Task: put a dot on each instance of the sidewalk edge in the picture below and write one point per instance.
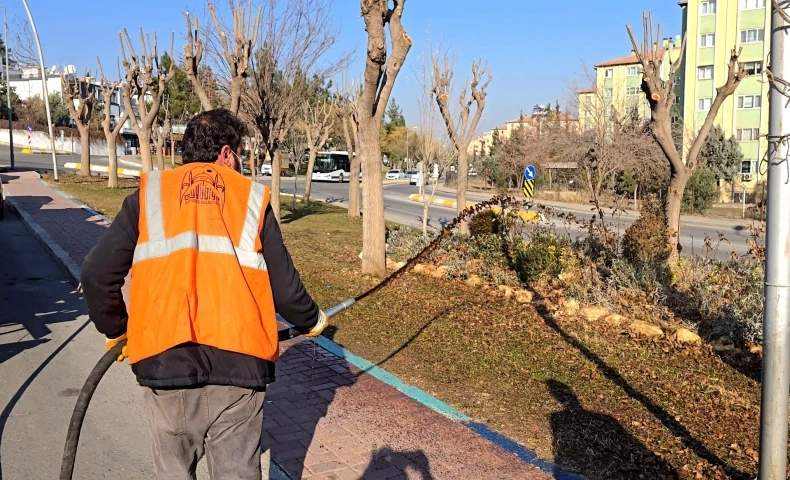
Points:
(55, 250)
(505, 443)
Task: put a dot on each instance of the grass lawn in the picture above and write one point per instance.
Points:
(583, 394)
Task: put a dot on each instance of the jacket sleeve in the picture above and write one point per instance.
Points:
(291, 299)
(105, 268)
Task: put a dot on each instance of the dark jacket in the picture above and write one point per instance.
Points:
(109, 262)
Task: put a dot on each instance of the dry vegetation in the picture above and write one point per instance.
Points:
(595, 397)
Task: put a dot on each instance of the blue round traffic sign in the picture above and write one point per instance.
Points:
(530, 172)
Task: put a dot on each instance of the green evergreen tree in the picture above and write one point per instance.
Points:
(701, 191)
(394, 116)
(721, 155)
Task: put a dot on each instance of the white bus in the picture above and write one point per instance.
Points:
(332, 166)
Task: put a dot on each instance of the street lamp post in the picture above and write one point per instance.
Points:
(8, 91)
(44, 88)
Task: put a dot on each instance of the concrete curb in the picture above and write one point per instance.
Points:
(276, 472)
(103, 169)
(449, 203)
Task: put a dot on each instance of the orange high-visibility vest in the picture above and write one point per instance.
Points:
(198, 273)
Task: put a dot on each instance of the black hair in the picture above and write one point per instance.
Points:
(208, 132)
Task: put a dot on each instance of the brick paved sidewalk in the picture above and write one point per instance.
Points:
(324, 418)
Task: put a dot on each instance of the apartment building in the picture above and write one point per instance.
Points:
(617, 92)
(533, 124)
(713, 28)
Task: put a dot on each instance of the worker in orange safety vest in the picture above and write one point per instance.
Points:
(209, 271)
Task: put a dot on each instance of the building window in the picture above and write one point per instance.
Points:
(632, 91)
(753, 68)
(703, 104)
(633, 71)
(708, 8)
(752, 35)
(608, 73)
(752, 4)
(747, 134)
(632, 111)
(749, 166)
(677, 80)
(705, 72)
(749, 101)
(706, 40)
(607, 93)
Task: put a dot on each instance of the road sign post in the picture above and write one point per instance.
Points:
(529, 181)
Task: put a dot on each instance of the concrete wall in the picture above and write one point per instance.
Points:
(40, 141)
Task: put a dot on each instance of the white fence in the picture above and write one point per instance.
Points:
(40, 141)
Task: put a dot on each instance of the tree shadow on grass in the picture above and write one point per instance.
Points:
(596, 446)
(304, 210)
(660, 413)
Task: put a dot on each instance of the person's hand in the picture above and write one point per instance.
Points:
(319, 327)
(111, 342)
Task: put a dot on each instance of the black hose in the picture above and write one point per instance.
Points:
(75, 426)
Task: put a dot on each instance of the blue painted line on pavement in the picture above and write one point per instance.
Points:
(503, 442)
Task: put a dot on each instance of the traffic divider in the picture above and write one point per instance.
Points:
(450, 203)
(100, 168)
(38, 151)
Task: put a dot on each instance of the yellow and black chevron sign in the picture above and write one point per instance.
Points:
(529, 188)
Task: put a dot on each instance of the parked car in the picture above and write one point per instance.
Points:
(414, 177)
(266, 169)
(395, 174)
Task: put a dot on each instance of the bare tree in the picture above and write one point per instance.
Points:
(246, 29)
(193, 54)
(379, 79)
(318, 122)
(111, 131)
(347, 112)
(287, 69)
(146, 82)
(661, 96)
(81, 91)
(462, 129)
(160, 131)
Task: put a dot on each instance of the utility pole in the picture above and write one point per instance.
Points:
(8, 91)
(776, 314)
(44, 87)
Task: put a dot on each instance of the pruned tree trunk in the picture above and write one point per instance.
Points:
(193, 53)
(85, 150)
(144, 80)
(461, 131)
(111, 134)
(276, 166)
(661, 96)
(379, 79)
(84, 94)
(317, 125)
(353, 182)
(245, 35)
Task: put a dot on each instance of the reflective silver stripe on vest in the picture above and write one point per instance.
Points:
(254, 205)
(159, 246)
(153, 206)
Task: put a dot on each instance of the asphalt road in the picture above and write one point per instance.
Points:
(400, 209)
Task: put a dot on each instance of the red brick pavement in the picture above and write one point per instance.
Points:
(324, 419)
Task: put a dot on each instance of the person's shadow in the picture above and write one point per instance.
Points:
(596, 446)
(395, 464)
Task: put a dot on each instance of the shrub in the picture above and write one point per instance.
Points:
(645, 241)
(701, 191)
(404, 242)
(545, 254)
(485, 223)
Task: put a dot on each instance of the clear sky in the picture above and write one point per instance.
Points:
(535, 48)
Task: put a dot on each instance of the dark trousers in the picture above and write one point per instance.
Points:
(222, 422)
